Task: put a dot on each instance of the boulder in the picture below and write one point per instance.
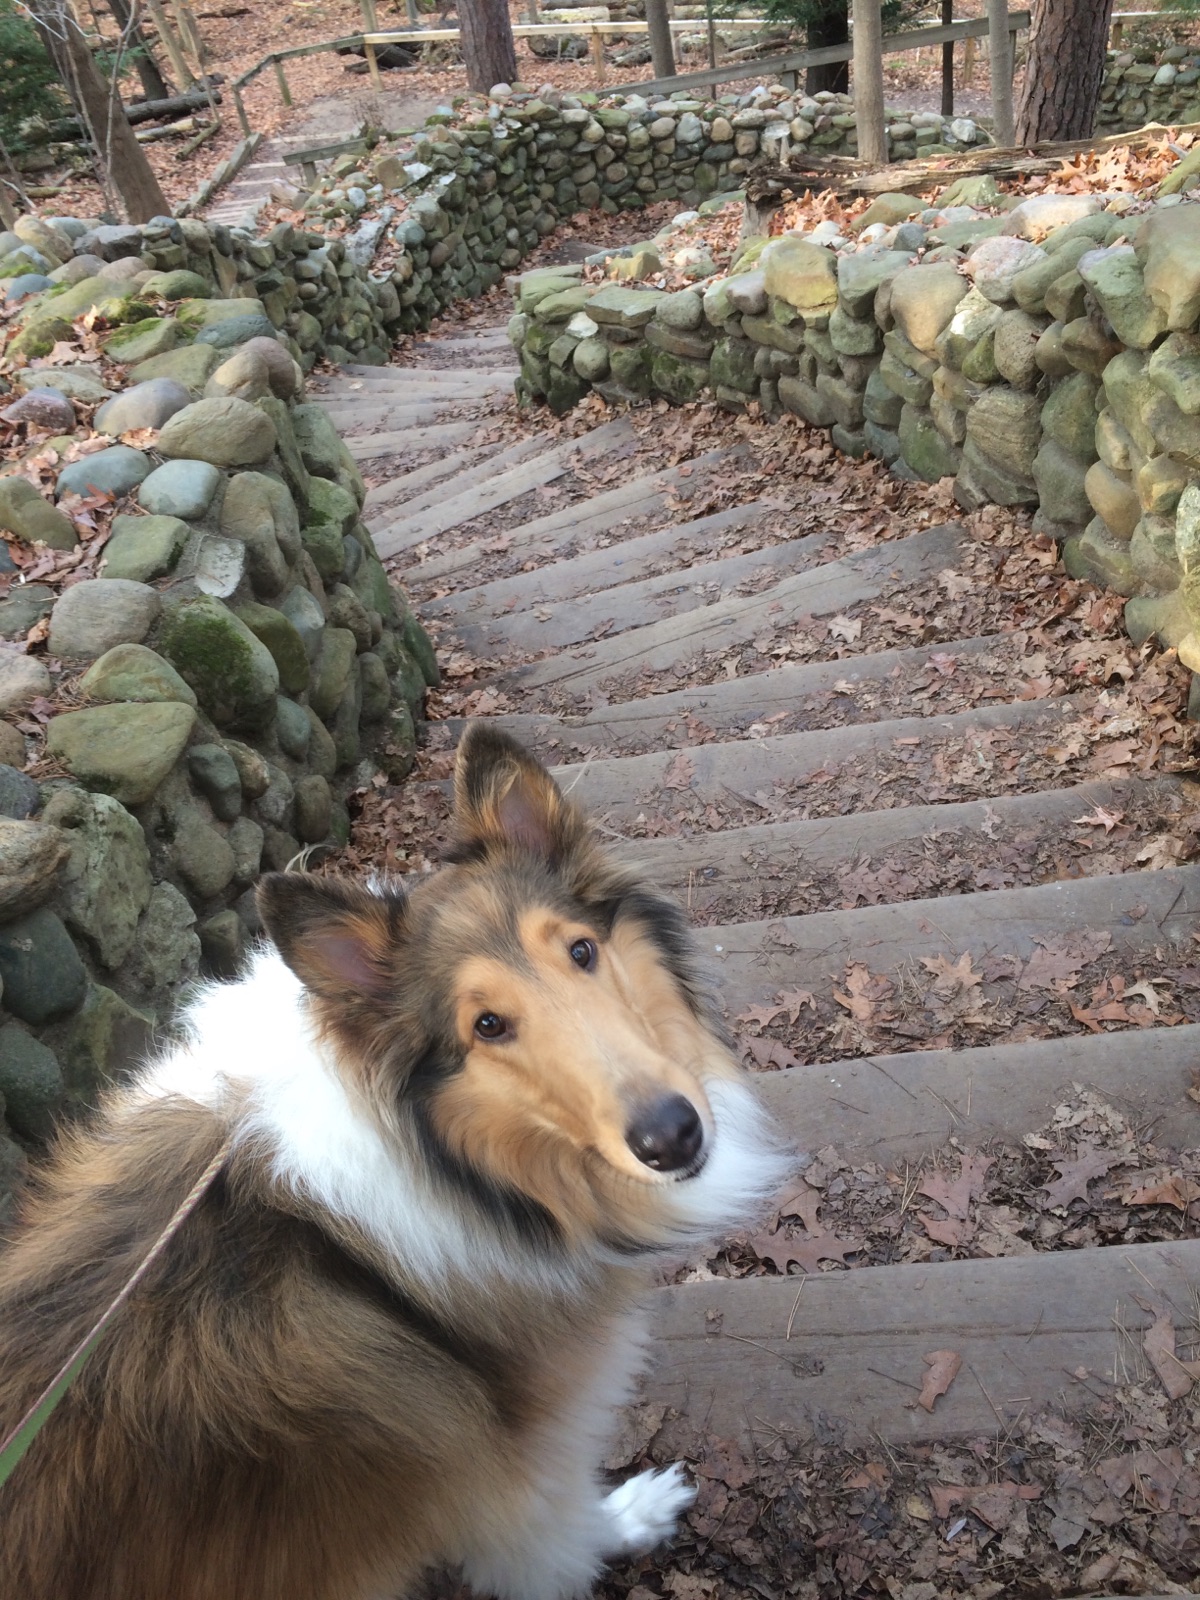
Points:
(1069, 415)
(1059, 476)
(180, 489)
(19, 795)
(994, 264)
(243, 375)
(132, 672)
(1006, 427)
(234, 675)
(192, 366)
(32, 519)
(42, 408)
(801, 274)
(40, 968)
(1014, 348)
(31, 857)
(215, 774)
(1175, 368)
(224, 432)
(142, 548)
(114, 471)
(924, 300)
(146, 405)
(31, 1083)
(1168, 247)
(1043, 214)
(1114, 277)
(125, 750)
(281, 638)
(23, 679)
(141, 341)
(106, 882)
(98, 613)
(76, 383)
(248, 515)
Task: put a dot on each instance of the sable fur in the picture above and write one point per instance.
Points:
(395, 1330)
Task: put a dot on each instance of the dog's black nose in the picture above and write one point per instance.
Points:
(666, 1135)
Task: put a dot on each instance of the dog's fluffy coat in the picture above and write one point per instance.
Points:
(396, 1329)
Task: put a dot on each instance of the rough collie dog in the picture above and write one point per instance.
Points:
(395, 1331)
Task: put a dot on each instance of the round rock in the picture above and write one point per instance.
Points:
(42, 408)
(115, 471)
(19, 795)
(22, 679)
(180, 489)
(146, 405)
(236, 330)
(122, 750)
(225, 432)
(132, 672)
(40, 968)
(31, 854)
(93, 616)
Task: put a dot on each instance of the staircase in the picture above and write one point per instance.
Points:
(943, 894)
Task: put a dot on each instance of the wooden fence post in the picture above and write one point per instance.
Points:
(285, 94)
(1000, 62)
(598, 54)
(948, 62)
(868, 82)
(243, 119)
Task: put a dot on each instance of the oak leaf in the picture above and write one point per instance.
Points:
(943, 1368)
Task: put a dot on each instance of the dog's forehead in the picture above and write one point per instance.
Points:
(487, 908)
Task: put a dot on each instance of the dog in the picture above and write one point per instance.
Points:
(461, 1120)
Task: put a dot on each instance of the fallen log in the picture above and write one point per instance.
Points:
(766, 185)
(177, 105)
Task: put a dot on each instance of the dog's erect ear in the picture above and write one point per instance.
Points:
(336, 937)
(502, 796)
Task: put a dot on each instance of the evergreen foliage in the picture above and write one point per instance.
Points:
(31, 89)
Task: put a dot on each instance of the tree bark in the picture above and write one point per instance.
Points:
(122, 160)
(1000, 65)
(830, 25)
(488, 49)
(662, 50)
(154, 85)
(868, 82)
(1065, 69)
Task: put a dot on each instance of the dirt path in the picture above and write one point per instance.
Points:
(929, 811)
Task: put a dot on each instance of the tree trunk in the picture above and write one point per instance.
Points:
(868, 82)
(1000, 65)
(662, 51)
(486, 38)
(1065, 69)
(948, 62)
(154, 85)
(122, 161)
(830, 25)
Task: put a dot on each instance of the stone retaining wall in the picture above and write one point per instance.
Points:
(236, 666)
(1047, 356)
(1142, 86)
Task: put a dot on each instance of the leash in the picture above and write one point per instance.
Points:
(26, 1431)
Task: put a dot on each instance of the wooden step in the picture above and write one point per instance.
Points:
(1140, 911)
(406, 532)
(409, 441)
(823, 591)
(898, 1108)
(730, 706)
(408, 483)
(416, 495)
(376, 417)
(702, 868)
(496, 338)
(1024, 1326)
(563, 532)
(365, 380)
(623, 561)
(702, 584)
(622, 786)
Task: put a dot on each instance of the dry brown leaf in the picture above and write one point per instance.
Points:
(680, 772)
(943, 1368)
(1175, 1375)
(1076, 1172)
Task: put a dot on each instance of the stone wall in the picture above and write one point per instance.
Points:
(1046, 356)
(1143, 85)
(235, 666)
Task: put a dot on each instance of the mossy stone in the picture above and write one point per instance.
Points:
(279, 635)
(143, 548)
(141, 341)
(231, 670)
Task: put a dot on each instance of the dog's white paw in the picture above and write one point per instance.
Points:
(644, 1510)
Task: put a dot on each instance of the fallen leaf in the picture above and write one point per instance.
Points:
(1099, 817)
(943, 1368)
(1175, 1375)
(1076, 1172)
(954, 1195)
(845, 628)
(1159, 1189)
(680, 773)
(782, 1252)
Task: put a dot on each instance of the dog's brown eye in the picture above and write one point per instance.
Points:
(583, 954)
(490, 1026)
